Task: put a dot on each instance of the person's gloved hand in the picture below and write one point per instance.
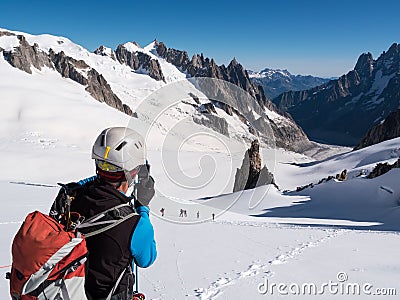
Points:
(145, 186)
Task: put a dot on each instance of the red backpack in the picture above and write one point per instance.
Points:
(48, 261)
(49, 252)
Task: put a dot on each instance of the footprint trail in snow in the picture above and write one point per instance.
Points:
(215, 289)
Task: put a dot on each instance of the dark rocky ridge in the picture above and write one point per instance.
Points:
(251, 175)
(6, 33)
(101, 90)
(140, 61)
(289, 136)
(383, 168)
(210, 116)
(214, 122)
(341, 111)
(25, 56)
(69, 67)
(199, 66)
(387, 130)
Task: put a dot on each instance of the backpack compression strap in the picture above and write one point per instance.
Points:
(106, 220)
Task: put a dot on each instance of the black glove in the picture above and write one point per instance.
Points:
(59, 204)
(145, 187)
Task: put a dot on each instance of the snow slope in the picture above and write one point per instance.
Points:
(287, 238)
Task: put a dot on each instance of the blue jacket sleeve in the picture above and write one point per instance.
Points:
(143, 245)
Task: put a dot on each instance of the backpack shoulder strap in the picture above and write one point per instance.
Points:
(106, 220)
(116, 285)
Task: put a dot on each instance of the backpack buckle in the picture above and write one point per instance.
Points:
(115, 214)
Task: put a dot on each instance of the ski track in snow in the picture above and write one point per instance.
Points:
(11, 222)
(34, 184)
(157, 287)
(178, 272)
(216, 288)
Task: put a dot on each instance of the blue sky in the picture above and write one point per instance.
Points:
(321, 38)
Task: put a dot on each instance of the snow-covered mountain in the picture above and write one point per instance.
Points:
(275, 82)
(342, 111)
(124, 77)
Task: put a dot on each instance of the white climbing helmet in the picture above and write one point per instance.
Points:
(118, 150)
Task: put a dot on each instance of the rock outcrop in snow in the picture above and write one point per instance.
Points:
(382, 168)
(251, 175)
(105, 51)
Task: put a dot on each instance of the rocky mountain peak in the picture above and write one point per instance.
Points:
(139, 61)
(276, 82)
(161, 49)
(393, 50)
(365, 65)
(200, 66)
(136, 44)
(274, 74)
(105, 51)
(389, 62)
(287, 136)
(233, 63)
(363, 97)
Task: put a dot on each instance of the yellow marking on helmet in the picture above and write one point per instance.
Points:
(105, 166)
(106, 152)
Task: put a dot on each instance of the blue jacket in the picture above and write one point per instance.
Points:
(143, 245)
